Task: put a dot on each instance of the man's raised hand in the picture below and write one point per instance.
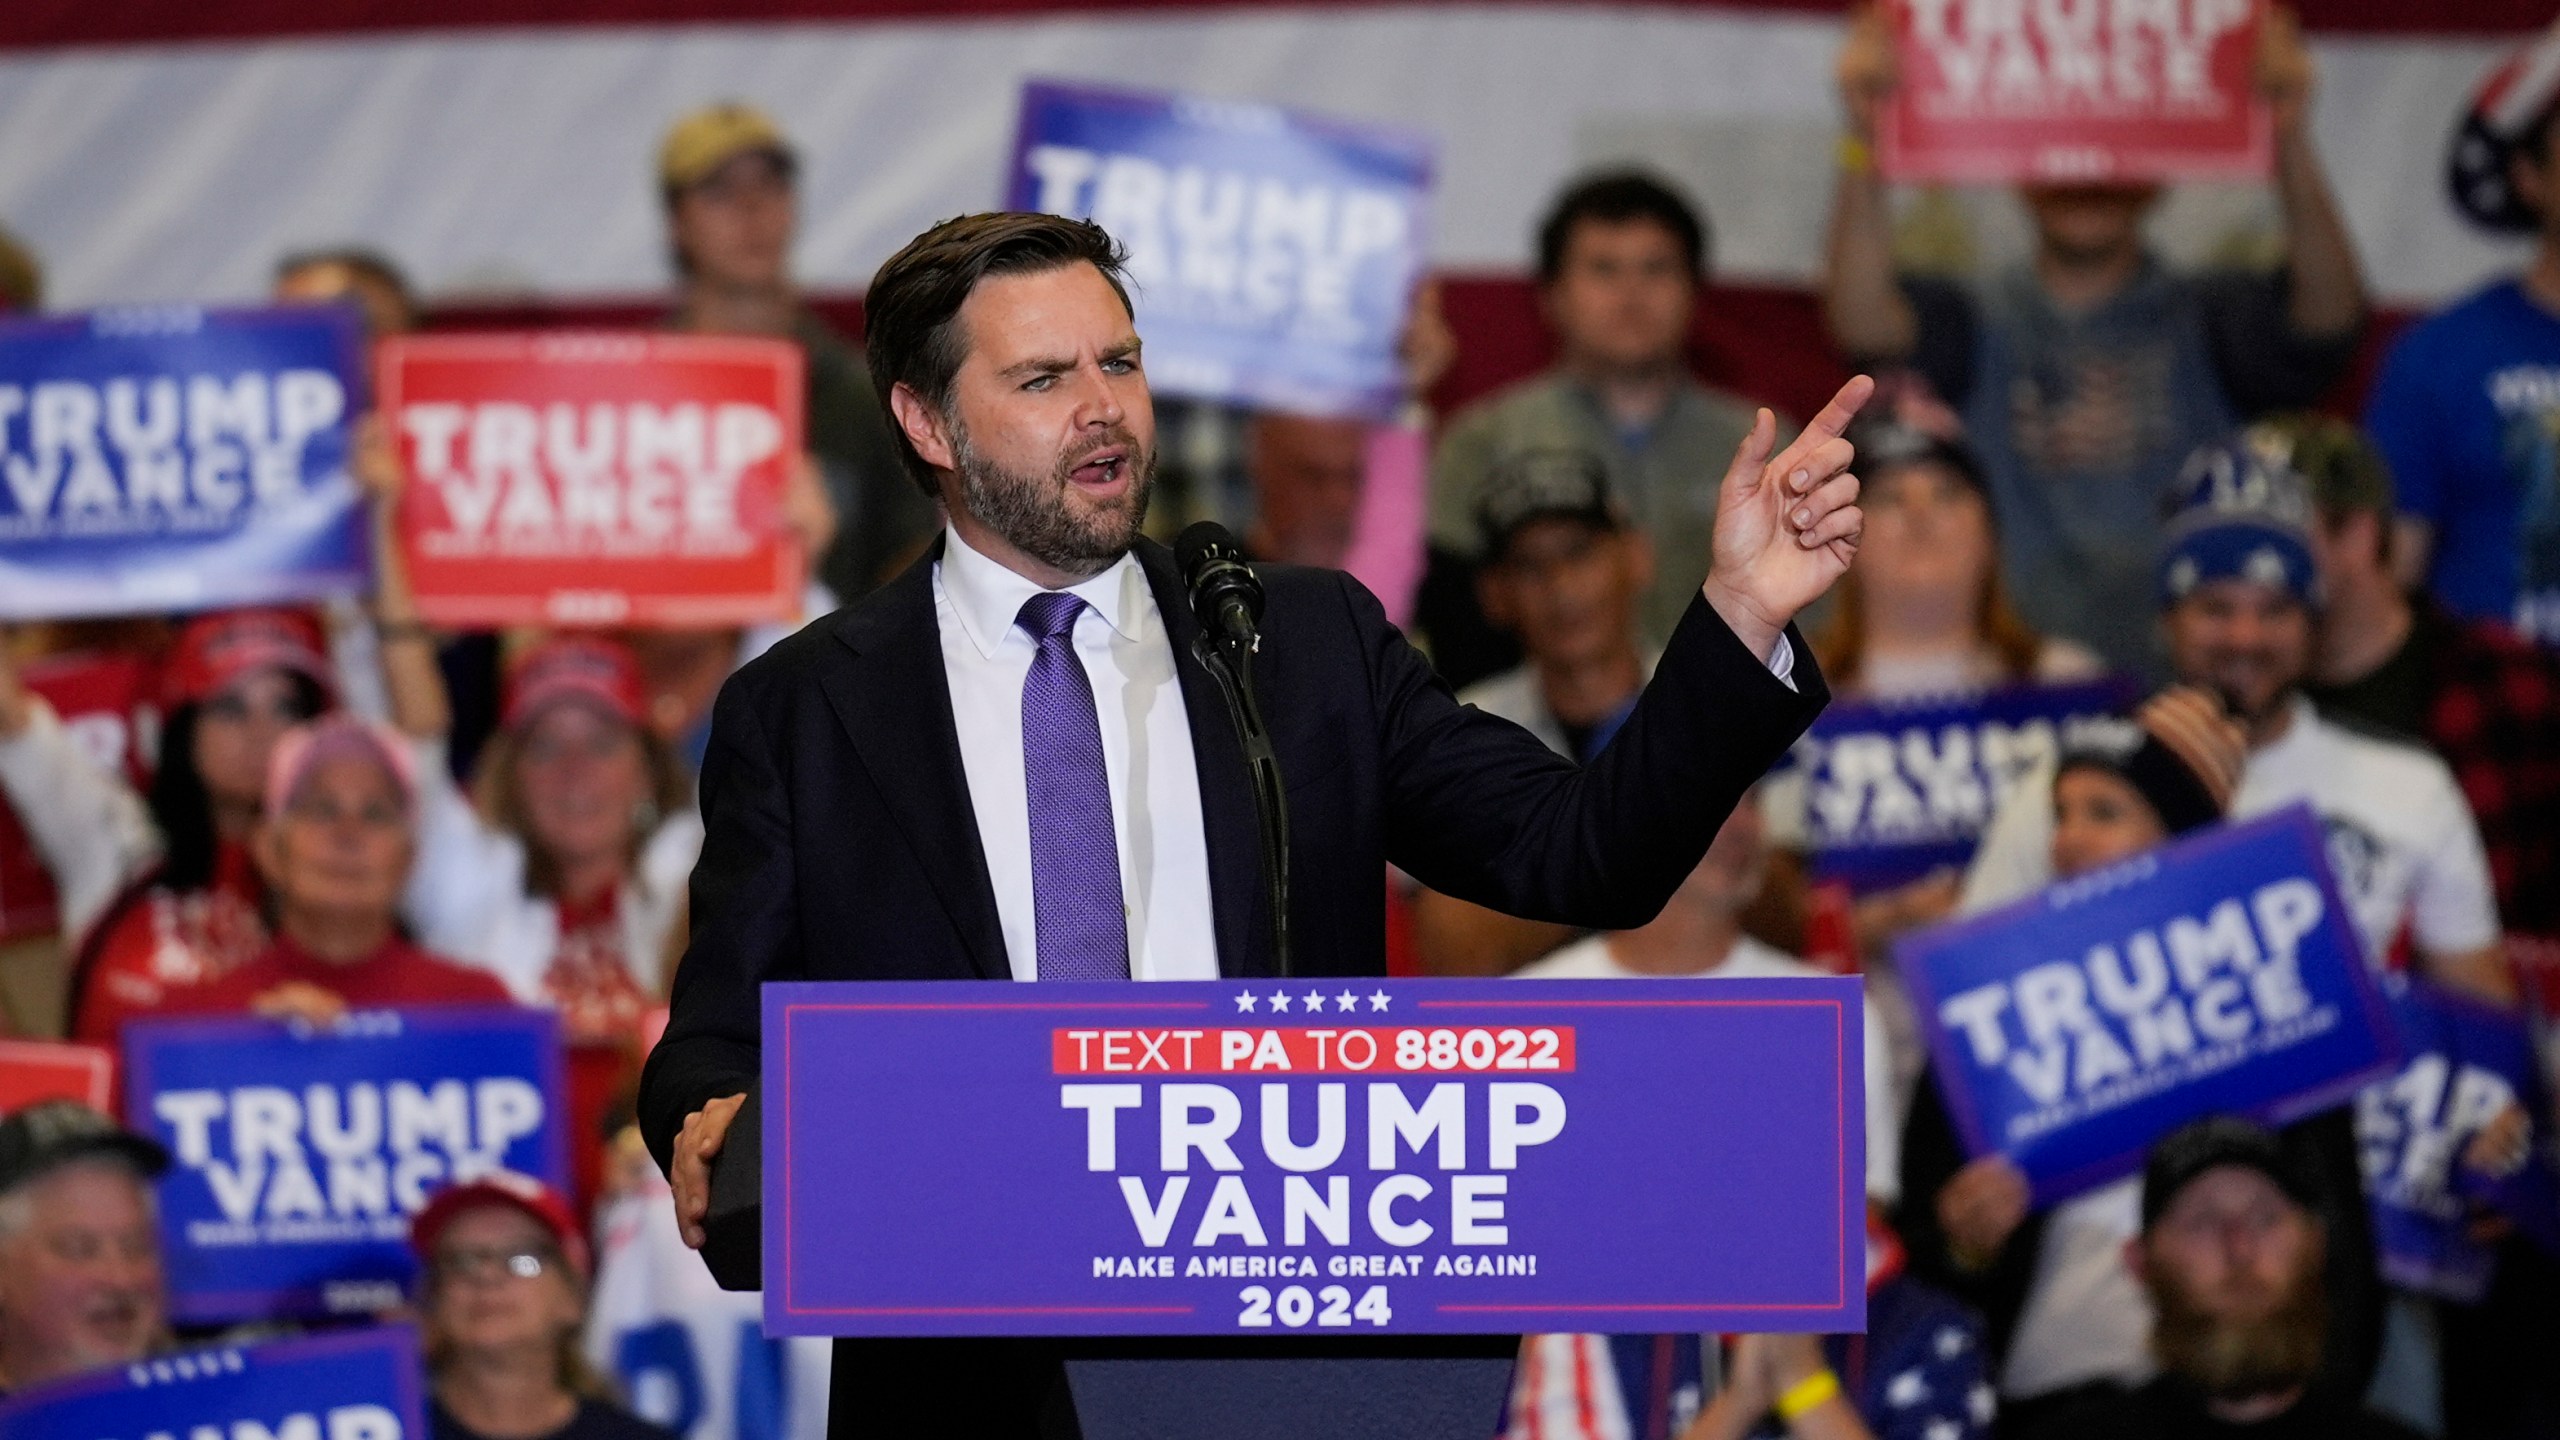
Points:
(1786, 526)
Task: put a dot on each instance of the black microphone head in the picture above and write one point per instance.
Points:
(1200, 543)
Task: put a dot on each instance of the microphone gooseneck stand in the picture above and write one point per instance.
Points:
(1231, 665)
(1226, 600)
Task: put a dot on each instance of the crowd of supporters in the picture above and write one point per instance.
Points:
(2091, 463)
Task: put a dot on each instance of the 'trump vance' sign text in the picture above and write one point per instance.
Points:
(597, 479)
(1320, 1156)
(1270, 254)
(1995, 90)
(300, 1155)
(1896, 789)
(2072, 1029)
(178, 459)
(354, 1385)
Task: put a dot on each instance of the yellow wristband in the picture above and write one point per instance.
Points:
(1856, 155)
(1807, 1395)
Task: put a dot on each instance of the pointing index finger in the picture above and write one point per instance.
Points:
(1844, 406)
(1824, 428)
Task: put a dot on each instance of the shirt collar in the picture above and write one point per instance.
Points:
(987, 597)
(2297, 731)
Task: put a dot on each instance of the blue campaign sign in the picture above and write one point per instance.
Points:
(301, 1153)
(2218, 975)
(353, 1385)
(178, 458)
(2465, 1064)
(1271, 254)
(1896, 789)
(1347, 1157)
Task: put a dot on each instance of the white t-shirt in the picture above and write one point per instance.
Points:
(2401, 838)
(1589, 959)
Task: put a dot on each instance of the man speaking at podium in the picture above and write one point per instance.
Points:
(1008, 763)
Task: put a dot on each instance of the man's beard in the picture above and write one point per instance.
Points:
(1034, 514)
(2229, 1359)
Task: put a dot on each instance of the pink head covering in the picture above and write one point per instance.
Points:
(301, 750)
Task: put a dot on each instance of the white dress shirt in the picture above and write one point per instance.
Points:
(1146, 753)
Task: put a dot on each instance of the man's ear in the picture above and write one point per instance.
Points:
(2133, 1262)
(923, 426)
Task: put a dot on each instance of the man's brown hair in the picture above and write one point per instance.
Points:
(911, 316)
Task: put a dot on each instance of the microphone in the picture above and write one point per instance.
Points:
(1226, 596)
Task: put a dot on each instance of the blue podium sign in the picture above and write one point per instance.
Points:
(301, 1153)
(2221, 974)
(178, 459)
(1896, 789)
(1314, 1157)
(355, 1385)
(1271, 254)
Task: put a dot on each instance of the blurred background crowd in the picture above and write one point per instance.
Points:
(2320, 530)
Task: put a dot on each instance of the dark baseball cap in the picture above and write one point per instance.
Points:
(2210, 1144)
(1540, 485)
(45, 1137)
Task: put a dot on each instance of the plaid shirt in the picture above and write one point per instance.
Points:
(2493, 713)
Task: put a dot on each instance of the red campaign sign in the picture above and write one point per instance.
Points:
(595, 478)
(37, 1070)
(105, 701)
(2114, 90)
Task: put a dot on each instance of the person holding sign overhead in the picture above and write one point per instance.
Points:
(235, 682)
(2087, 373)
(867, 796)
(567, 881)
(729, 181)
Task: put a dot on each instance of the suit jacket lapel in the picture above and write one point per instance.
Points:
(894, 702)
(1226, 794)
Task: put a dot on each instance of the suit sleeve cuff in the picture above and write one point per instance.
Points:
(1782, 662)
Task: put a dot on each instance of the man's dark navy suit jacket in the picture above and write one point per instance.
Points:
(842, 845)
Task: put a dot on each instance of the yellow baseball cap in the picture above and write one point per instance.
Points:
(712, 137)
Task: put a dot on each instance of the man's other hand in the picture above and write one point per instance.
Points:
(704, 1130)
(1786, 527)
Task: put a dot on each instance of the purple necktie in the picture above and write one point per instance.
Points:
(1080, 927)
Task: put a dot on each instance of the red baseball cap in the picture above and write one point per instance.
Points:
(574, 667)
(215, 650)
(505, 1187)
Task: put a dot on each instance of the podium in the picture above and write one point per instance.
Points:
(1299, 1207)
(1420, 1388)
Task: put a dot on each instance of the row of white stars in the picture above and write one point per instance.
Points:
(1346, 1002)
